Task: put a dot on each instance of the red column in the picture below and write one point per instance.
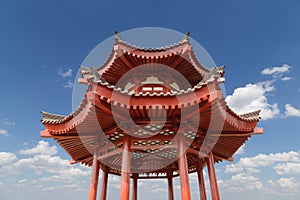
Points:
(212, 177)
(183, 170)
(170, 186)
(134, 186)
(94, 177)
(125, 171)
(201, 182)
(104, 184)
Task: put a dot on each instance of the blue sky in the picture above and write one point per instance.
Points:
(42, 44)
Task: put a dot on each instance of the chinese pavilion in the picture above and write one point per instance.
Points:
(151, 114)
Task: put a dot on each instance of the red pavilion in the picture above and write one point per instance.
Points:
(151, 114)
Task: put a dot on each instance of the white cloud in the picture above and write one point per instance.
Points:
(286, 78)
(50, 168)
(287, 182)
(25, 144)
(64, 72)
(114, 181)
(6, 158)
(69, 84)
(3, 132)
(251, 164)
(22, 181)
(193, 178)
(287, 168)
(241, 150)
(41, 148)
(47, 167)
(8, 123)
(276, 70)
(290, 111)
(42, 162)
(158, 189)
(284, 187)
(241, 182)
(72, 187)
(239, 168)
(251, 181)
(253, 97)
(234, 168)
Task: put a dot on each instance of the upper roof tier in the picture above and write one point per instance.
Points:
(125, 57)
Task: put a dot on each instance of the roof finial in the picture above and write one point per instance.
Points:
(117, 37)
(186, 38)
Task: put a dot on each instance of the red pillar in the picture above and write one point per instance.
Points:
(212, 177)
(104, 184)
(170, 186)
(134, 186)
(201, 182)
(183, 170)
(125, 171)
(94, 177)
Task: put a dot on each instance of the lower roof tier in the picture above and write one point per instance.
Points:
(154, 124)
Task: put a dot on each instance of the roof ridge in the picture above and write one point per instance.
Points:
(185, 39)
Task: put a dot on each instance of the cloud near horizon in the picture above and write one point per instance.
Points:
(43, 161)
(55, 174)
(247, 173)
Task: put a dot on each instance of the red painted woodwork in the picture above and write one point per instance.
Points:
(212, 177)
(170, 186)
(183, 170)
(201, 182)
(94, 178)
(104, 184)
(125, 171)
(201, 97)
(134, 186)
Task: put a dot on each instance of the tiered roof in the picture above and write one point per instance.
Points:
(76, 133)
